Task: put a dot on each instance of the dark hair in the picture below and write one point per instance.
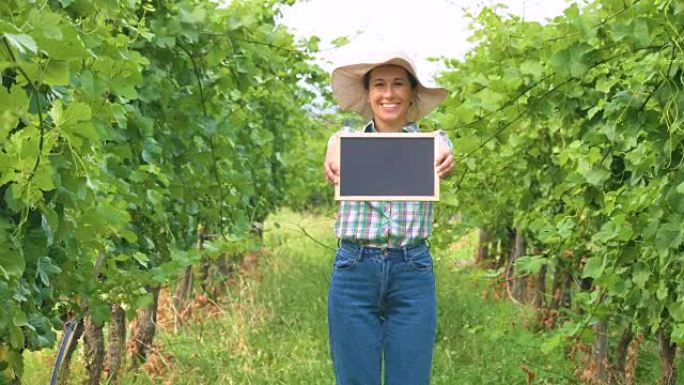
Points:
(412, 79)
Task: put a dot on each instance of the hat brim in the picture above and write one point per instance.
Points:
(350, 93)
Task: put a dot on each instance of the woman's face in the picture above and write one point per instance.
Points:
(390, 94)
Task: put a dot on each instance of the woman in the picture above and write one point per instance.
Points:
(381, 301)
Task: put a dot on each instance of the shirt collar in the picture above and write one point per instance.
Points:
(409, 127)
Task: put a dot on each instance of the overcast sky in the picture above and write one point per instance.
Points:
(422, 29)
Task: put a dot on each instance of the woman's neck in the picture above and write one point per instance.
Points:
(382, 126)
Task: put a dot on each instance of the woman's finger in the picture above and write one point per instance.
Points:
(331, 172)
(446, 166)
(443, 158)
(327, 172)
(440, 158)
(449, 162)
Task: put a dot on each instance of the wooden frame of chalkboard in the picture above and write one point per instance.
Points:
(378, 165)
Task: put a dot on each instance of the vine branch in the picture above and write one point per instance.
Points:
(39, 107)
(214, 159)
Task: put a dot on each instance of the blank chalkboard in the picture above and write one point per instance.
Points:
(384, 166)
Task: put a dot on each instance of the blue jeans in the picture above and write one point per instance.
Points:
(381, 304)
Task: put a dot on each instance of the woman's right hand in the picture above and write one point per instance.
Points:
(331, 168)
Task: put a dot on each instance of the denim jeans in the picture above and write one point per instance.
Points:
(381, 304)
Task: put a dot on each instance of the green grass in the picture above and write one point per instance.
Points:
(272, 326)
(274, 329)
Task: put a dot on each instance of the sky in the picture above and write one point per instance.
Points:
(422, 29)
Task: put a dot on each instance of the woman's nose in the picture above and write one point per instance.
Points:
(389, 91)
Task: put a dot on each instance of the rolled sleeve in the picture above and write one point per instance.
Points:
(445, 140)
(333, 138)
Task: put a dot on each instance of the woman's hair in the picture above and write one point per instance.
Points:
(412, 79)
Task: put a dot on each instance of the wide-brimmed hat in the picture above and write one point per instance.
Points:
(350, 93)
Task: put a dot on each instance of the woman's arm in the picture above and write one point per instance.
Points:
(445, 157)
(331, 168)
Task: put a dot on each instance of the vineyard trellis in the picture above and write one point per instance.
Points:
(131, 132)
(571, 143)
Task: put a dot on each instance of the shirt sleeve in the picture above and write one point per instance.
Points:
(445, 140)
(333, 137)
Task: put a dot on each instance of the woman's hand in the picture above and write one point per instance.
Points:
(331, 169)
(445, 160)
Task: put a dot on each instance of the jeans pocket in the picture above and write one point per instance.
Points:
(421, 260)
(344, 259)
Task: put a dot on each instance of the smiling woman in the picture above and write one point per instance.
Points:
(390, 94)
(381, 301)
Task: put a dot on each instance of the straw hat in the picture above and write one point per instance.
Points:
(348, 89)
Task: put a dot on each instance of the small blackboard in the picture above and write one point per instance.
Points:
(387, 167)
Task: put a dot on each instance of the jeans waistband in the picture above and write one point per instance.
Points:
(372, 245)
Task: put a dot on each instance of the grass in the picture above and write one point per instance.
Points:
(274, 329)
(271, 327)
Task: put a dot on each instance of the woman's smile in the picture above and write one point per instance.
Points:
(390, 106)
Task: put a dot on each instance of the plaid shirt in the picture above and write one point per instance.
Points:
(394, 223)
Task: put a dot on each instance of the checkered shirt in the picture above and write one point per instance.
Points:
(393, 223)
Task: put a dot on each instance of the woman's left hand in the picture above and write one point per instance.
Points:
(445, 160)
